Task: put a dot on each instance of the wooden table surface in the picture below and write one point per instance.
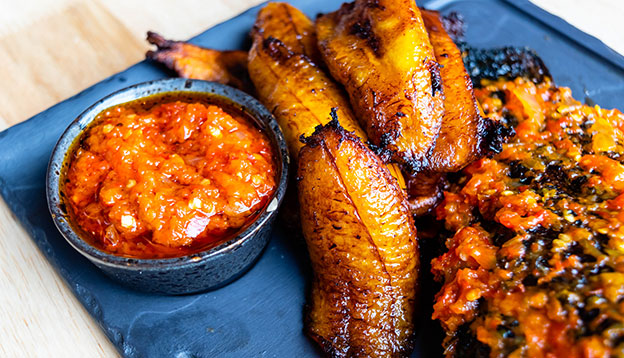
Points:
(52, 49)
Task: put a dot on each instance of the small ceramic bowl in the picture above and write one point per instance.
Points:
(204, 270)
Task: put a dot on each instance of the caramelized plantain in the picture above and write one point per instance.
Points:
(380, 51)
(282, 64)
(297, 91)
(464, 131)
(289, 25)
(363, 247)
(190, 61)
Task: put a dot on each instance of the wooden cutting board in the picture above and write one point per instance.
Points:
(52, 49)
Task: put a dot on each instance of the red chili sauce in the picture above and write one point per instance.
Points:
(167, 177)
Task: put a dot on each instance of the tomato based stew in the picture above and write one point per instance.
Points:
(535, 234)
(167, 176)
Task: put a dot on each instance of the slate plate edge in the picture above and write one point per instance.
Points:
(588, 42)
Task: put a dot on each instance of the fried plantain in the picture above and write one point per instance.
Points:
(380, 51)
(363, 247)
(294, 88)
(191, 61)
(289, 25)
(464, 131)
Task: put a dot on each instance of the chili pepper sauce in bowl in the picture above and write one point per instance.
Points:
(183, 179)
(167, 176)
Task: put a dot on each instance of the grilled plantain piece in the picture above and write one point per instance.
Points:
(363, 248)
(380, 51)
(464, 135)
(289, 25)
(191, 61)
(293, 87)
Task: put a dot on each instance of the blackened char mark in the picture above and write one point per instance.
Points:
(364, 30)
(517, 170)
(504, 62)
(415, 165)
(333, 125)
(276, 49)
(389, 137)
(500, 233)
(386, 141)
(494, 135)
(556, 175)
(383, 153)
(436, 77)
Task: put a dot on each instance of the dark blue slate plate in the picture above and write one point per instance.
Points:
(261, 313)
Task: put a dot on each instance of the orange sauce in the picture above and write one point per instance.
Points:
(167, 177)
(535, 234)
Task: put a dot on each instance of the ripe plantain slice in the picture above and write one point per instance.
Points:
(380, 51)
(297, 91)
(289, 25)
(464, 135)
(363, 247)
(190, 61)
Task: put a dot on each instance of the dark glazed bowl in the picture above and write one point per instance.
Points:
(204, 270)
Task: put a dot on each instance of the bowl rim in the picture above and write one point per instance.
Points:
(218, 91)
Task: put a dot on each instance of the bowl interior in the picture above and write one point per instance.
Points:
(231, 99)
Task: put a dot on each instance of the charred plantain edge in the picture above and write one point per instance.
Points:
(436, 77)
(334, 125)
(160, 41)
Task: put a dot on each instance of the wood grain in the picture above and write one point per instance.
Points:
(52, 49)
(68, 46)
(39, 314)
(78, 43)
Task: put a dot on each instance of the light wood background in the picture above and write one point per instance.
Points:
(52, 49)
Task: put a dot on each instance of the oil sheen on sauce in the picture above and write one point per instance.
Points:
(167, 176)
(534, 265)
